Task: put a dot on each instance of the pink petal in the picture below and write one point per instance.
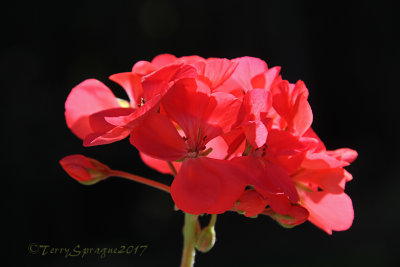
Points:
(158, 138)
(219, 148)
(344, 154)
(302, 114)
(215, 71)
(322, 161)
(162, 60)
(327, 211)
(131, 83)
(205, 185)
(143, 68)
(230, 86)
(86, 98)
(270, 76)
(257, 103)
(248, 68)
(159, 165)
(319, 145)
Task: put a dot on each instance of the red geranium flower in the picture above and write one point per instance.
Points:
(203, 185)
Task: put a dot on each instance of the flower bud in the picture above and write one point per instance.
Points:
(206, 239)
(250, 203)
(296, 215)
(85, 170)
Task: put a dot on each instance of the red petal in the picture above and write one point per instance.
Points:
(115, 134)
(185, 103)
(158, 82)
(256, 133)
(205, 185)
(158, 138)
(256, 175)
(280, 203)
(236, 142)
(299, 214)
(329, 212)
(285, 150)
(281, 179)
(220, 115)
(290, 101)
(330, 180)
(98, 121)
(86, 98)
(251, 202)
(131, 83)
(137, 116)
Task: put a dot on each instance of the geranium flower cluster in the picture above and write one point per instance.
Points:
(235, 134)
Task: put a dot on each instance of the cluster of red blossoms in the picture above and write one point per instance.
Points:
(238, 135)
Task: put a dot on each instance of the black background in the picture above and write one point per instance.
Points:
(347, 54)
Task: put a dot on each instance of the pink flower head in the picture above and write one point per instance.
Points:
(234, 133)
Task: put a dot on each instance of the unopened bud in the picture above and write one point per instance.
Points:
(85, 170)
(250, 203)
(206, 239)
(296, 215)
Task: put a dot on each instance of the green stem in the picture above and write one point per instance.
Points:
(189, 240)
(173, 170)
(213, 220)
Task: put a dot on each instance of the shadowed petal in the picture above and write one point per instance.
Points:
(158, 138)
(205, 185)
(131, 83)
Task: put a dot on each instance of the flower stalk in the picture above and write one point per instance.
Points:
(141, 180)
(189, 240)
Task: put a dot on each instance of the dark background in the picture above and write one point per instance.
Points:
(347, 54)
